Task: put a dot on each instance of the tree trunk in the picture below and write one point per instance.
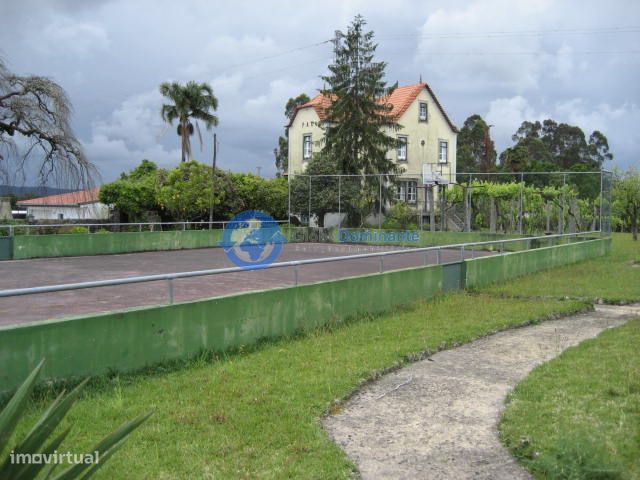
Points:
(432, 209)
(467, 209)
(547, 212)
(573, 216)
(634, 227)
(185, 139)
(492, 215)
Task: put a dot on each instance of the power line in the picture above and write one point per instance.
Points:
(619, 52)
(269, 57)
(516, 33)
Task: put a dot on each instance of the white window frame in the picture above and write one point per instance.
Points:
(407, 191)
(306, 154)
(442, 143)
(403, 148)
(426, 112)
(412, 191)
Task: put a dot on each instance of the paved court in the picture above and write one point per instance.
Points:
(53, 271)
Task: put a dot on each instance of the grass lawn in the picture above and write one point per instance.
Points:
(257, 414)
(578, 416)
(614, 278)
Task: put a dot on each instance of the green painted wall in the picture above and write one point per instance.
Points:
(74, 245)
(65, 245)
(132, 339)
(71, 245)
(487, 270)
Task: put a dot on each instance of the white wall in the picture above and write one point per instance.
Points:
(90, 211)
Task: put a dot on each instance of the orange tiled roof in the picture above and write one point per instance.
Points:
(400, 99)
(69, 199)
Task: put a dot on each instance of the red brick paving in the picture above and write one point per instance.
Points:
(52, 271)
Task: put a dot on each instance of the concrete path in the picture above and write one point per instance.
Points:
(438, 418)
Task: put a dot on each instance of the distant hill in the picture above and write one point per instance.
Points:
(31, 191)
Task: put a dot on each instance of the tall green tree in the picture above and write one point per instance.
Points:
(626, 195)
(190, 102)
(282, 151)
(358, 119)
(134, 193)
(567, 147)
(476, 151)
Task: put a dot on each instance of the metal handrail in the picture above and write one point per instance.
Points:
(296, 263)
(12, 227)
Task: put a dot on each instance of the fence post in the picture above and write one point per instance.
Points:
(521, 204)
(438, 256)
(381, 264)
(170, 282)
(462, 253)
(11, 230)
(289, 200)
(295, 274)
(564, 183)
(339, 202)
(309, 220)
(380, 205)
(601, 201)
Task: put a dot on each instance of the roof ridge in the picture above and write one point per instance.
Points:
(405, 96)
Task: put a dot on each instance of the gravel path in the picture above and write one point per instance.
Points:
(438, 418)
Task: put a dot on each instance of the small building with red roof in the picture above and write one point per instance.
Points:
(80, 205)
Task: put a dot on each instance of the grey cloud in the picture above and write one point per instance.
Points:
(112, 55)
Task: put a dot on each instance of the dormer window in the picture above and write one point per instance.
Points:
(423, 112)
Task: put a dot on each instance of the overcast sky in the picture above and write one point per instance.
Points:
(573, 61)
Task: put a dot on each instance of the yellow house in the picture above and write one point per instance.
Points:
(427, 139)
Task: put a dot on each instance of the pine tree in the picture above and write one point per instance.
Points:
(358, 119)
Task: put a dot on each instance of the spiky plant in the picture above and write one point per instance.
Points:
(193, 101)
(40, 440)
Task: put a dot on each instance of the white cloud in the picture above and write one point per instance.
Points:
(65, 35)
(507, 114)
(453, 50)
(136, 121)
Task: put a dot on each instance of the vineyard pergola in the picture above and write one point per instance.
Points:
(510, 203)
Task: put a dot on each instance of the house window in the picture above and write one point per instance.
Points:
(443, 151)
(423, 112)
(402, 149)
(61, 216)
(306, 147)
(407, 192)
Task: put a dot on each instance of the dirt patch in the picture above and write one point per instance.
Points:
(438, 418)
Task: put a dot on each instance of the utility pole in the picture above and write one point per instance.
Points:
(213, 177)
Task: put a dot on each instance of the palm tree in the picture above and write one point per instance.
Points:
(191, 101)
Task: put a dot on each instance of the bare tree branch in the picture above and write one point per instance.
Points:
(38, 111)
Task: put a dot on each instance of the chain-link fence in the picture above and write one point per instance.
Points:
(523, 203)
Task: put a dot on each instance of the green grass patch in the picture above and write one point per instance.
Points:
(614, 278)
(578, 416)
(257, 414)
